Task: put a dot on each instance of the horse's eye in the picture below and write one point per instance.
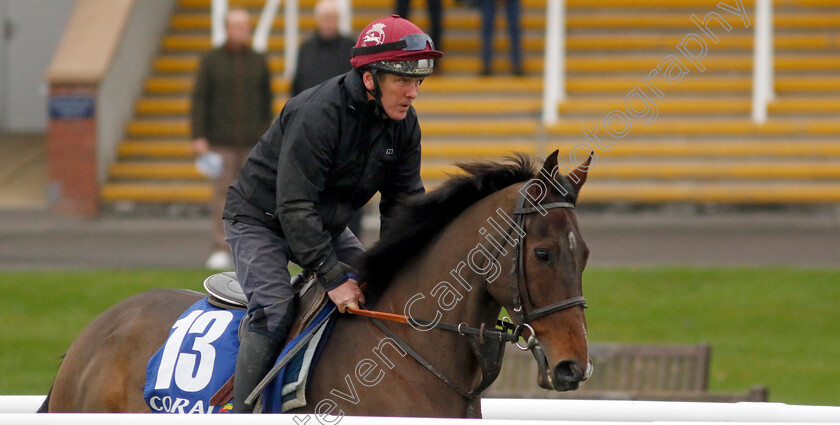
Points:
(543, 255)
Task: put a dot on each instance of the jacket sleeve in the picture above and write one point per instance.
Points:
(404, 180)
(309, 134)
(201, 98)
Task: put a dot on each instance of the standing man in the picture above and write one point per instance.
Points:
(324, 55)
(231, 108)
(330, 150)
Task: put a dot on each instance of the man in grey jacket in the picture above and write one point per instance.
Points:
(330, 150)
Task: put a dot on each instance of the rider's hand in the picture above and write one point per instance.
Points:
(347, 294)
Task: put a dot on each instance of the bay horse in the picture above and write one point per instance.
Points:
(500, 235)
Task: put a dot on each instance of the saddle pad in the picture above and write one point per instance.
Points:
(294, 375)
(199, 356)
(195, 361)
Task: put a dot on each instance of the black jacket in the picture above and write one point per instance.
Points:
(324, 157)
(321, 59)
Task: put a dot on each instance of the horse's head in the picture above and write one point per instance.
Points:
(545, 296)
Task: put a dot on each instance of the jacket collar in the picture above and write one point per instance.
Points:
(356, 93)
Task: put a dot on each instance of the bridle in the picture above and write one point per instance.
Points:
(488, 342)
(523, 309)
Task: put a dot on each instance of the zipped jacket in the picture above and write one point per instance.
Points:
(323, 158)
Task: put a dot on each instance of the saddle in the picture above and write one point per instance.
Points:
(225, 292)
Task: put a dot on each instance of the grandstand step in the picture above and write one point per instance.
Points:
(157, 192)
(811, 105)
(597, 192)
(182, 106)
(181, 85)
(807, 83)
(153, 170)
(503, 84)
(478, 128)
(446, 84)
(636, 20)
(705, 127)
(431, 128)
(620, 85)
(669, 105)
(717, 170)
(492, 105)
(163, 149)
(452, 149)
(169, 64)
(571, 4)
(466, 20)
(688, 170)
(477, 105)
(175, 127)
(454, 43)
(742, 149)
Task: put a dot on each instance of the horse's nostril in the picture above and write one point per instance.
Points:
(568, 371)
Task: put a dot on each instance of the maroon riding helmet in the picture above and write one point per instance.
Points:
(397, 46)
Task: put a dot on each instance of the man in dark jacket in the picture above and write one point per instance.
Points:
(231, 107)
(330, 150)
(324, 55)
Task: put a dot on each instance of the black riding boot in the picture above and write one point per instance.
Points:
(256, 356)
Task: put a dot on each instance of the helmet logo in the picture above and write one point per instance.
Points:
(375, 35)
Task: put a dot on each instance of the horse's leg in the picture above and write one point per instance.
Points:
(105, 367)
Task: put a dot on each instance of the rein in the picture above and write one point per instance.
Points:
(510, 332)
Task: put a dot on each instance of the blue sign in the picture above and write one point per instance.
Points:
(72, 107)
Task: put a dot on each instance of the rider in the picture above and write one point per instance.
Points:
(329, 151)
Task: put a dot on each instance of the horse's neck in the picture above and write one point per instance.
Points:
(443, 283)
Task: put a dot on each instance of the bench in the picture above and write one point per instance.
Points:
(626, 372)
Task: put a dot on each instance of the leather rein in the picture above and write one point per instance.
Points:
(487, 342)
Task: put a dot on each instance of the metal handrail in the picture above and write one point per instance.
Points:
(763, 73)
(554, 72)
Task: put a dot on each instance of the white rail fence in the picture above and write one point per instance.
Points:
(18, 409)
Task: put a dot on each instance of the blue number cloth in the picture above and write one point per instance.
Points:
(199, 357)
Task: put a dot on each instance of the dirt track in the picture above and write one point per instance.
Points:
(40, 240)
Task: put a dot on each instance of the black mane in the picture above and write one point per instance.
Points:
(416, 221)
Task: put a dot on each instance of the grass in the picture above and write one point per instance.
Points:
(776, 327)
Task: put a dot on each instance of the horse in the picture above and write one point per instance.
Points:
(502, 234)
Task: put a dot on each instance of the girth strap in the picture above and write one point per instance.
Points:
(469, 395)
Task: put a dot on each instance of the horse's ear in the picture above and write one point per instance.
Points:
(578, 175)
(550, 165)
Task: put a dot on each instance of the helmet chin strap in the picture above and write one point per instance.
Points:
(376, 92)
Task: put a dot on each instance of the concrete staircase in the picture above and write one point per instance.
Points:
(702, 147)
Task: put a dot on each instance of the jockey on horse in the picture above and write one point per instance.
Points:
(329, 151)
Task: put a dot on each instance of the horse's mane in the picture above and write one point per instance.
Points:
(418, 220)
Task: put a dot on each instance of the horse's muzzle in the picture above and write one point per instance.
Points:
(566, 376)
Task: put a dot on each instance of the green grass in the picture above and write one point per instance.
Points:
(42, 312)
(776, 327)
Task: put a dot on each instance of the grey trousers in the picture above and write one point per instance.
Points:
(262, 257)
